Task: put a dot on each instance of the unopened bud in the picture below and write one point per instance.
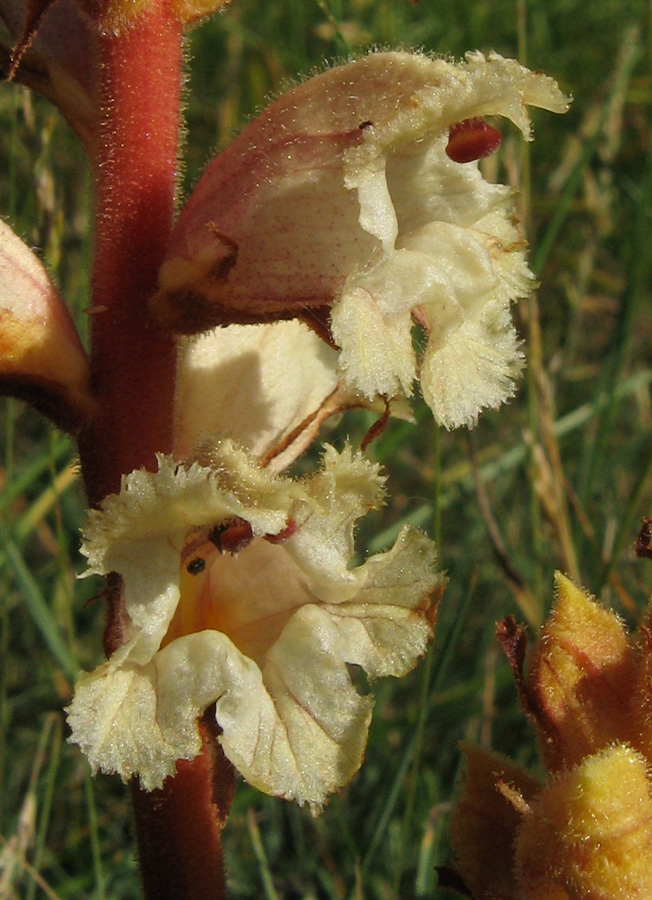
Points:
(590, 833)
(41, 357)
(582, 678)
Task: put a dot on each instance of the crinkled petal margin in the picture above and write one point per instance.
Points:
(295, 726)
(140, 532)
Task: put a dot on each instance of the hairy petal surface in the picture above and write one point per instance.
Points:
(589, 833)
(341, 196)
(265, 634)
(582, 678)
(140, 533)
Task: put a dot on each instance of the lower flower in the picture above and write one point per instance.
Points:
(238, 594)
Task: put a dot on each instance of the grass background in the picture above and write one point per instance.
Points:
(557, 479)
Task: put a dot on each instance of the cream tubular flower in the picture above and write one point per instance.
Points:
(270, 386)
(238, 594)
(355, 201)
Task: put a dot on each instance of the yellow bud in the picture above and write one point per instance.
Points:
(582, 678)
(589, 835)
(191, 10)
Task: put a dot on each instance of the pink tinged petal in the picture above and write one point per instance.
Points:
(312, 206)
(269, 231)
(41, 356)
(275, 223)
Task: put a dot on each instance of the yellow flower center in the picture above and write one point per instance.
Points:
(248, 595)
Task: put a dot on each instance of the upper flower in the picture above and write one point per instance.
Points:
(54, 48)
(238, 593)
(347, 203)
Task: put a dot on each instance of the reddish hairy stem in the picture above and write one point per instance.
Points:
(133, 377)
(133, 362)
(179, 826)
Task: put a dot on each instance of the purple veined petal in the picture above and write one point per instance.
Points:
(286, 239)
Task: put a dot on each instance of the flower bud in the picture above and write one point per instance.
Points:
(590, 833)
(41, 357)
(581, 679)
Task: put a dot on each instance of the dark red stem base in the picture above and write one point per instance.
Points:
(179, 826)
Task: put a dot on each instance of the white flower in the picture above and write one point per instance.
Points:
(265, 633)
(271, 386)
(345, 204)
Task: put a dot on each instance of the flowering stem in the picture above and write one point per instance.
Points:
(179, 826)
(132, 362)
(133, 377)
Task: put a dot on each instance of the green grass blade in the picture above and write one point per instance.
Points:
(38, 608)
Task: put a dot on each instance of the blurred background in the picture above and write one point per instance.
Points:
(559, 478)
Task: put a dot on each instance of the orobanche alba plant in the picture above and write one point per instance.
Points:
(351, 212)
